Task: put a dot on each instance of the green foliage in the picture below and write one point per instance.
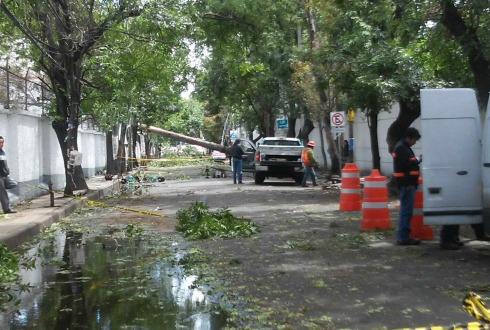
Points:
(142, 68)
(198, 222)
(247, 72)
(9, 274)
(9, 265)
(133, 231)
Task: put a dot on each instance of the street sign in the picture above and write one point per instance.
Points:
(282, 123)
(337, 119)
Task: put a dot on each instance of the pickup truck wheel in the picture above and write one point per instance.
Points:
(259, 178)
(298, 178)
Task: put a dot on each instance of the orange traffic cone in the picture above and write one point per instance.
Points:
(417, 227)
(375, 212)
(350, 188)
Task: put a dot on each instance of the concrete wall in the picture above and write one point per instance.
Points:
(34, 155)
(362, 142)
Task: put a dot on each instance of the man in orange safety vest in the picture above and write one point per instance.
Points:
(309, 163)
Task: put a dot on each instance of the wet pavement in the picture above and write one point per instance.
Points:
(310, 267)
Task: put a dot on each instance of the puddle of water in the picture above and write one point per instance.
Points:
(106, 283)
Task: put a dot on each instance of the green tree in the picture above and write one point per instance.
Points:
(62, 34)
(449, 42)
(247, 73)
(137, 77)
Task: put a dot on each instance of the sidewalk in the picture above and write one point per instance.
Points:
(36, 214)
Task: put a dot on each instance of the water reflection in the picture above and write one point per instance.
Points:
(107, 283)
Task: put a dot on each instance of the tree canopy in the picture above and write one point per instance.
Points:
(259, 59)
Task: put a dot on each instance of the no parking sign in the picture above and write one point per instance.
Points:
(337, 119)
(337, 122)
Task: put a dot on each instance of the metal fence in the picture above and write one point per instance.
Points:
(26, 93)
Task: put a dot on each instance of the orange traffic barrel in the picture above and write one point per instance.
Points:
(375, 212)
(417, 227)
(350, 188)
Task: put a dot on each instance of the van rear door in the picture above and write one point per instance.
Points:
(451, 170)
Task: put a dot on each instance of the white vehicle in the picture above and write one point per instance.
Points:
(218, 156)
(452, 153)
(280, 158)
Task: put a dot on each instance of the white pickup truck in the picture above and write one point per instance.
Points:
(279, 158)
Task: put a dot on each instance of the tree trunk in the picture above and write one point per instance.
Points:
(147, 146)
(74, 178)
(373, 134)
(121, 151)
(129, 151)
(409, 111)
(305, 131)
(322, 144)
(187, 139)
(134, 140)
(291, 127)
(332, 148)
(321, 87)
(471, 45)
(110, 164)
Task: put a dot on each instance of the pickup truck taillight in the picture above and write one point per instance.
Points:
(257, 156)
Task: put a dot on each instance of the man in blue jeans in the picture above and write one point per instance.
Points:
(236, 158)
(309, 163)
(406, 172)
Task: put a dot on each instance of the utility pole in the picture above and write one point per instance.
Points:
(350, 118)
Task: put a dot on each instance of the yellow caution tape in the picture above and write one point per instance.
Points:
(93, 203)
(146, 160)
(466, 326)
(475, 306)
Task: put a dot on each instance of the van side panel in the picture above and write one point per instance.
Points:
(451, 170)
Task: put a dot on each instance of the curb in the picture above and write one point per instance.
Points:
(28, 223)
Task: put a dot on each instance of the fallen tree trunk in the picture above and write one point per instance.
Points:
(187, 139)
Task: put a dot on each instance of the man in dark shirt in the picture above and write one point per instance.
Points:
(5, 181)
(406, 172)
(236, 158)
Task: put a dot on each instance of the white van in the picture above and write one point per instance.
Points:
(451, 170)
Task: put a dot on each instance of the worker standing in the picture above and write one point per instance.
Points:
(309, 163)
(406, 172)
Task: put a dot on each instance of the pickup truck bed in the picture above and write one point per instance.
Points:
(280, 158)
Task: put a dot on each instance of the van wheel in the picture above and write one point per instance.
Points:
(259, 178)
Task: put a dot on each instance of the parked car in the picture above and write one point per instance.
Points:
(218, 156)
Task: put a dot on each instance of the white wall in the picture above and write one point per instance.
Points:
(362, 141)
(34, 155)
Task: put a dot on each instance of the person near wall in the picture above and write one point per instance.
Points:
(309, 163)
(406, 172)
(345, 152)
(6, 182)
(236, 157)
